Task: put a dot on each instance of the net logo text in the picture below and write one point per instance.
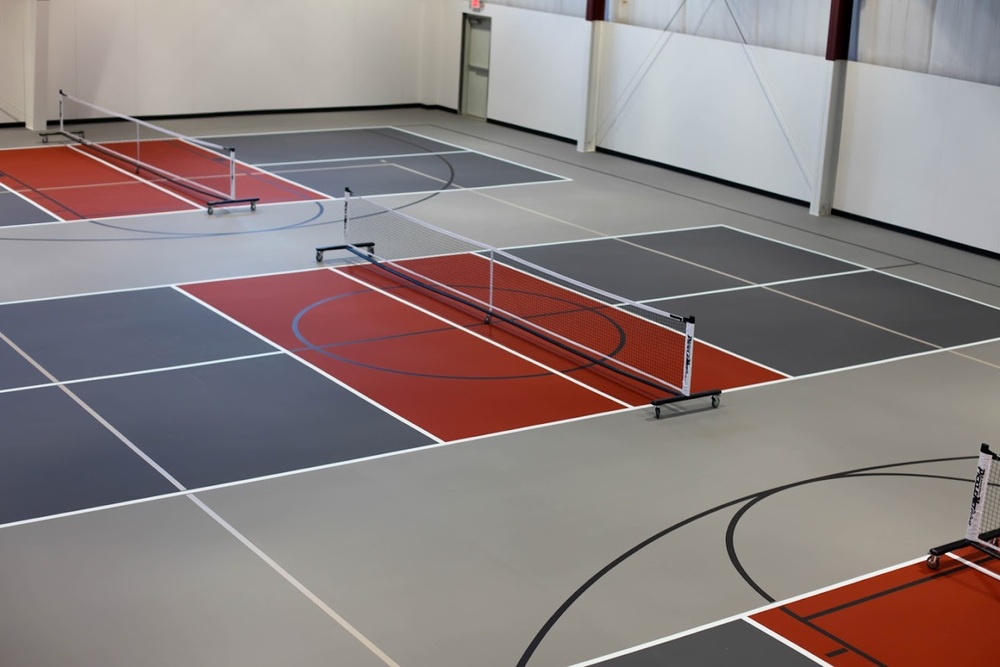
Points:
(980, 472)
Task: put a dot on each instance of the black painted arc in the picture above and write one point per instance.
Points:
(564, 607)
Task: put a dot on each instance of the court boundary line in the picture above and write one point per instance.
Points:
(785, 640)
(752, 612)
(742, 288)
(270, 562)
(481, 153)
(302, 471)
(974, 566)
(353, 159)
(148, 371)
(307, 364)
(41, 208)
(475, 334)
(189, 202)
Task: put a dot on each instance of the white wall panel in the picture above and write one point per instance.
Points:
(107, 43)
(14, 20)
(386, 67)
(921, 152)
(538, 70)
(743, 114)
(152, 57)
(167, 85)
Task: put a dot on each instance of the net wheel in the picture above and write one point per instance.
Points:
(933, 561)
(211, 210)
(319, 255)
(715, 401)
(656, 411)
(45, 140)
(253, 206)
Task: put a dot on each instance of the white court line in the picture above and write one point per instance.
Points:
(487, 155)
(340, 620)
(741, 288)
(258, 171)
(35, 204)
(355, 159)
(304, 471)
(604, 237)
(318, 130)
(123, 290)
(475, 334)
(974, 566)
(162, 369)
(189, 202)
(786, 641)
(312, 367)
(747, 614)
(200, 504)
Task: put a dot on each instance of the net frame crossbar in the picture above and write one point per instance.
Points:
(983, 527)
(211, 197)
(492, 312)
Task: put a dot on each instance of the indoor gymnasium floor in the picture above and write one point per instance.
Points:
(184, 482)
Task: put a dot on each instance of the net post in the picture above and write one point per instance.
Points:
(979, 491)
(62, 113)
(688, 355)
(138, 147)
(493, 260)
(347, 199)
(232, 172)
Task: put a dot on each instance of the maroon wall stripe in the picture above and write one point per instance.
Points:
(838, 41)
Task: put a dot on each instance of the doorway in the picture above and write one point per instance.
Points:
(475, 66)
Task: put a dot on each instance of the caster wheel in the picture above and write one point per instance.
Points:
(933, 562)
(253, 206)
(45, 140)
(211, 210)
(715, 401)
(319, 256)
(656, 411)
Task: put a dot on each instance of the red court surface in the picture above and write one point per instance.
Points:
(74, 183)
(450, 382)
(908, 616)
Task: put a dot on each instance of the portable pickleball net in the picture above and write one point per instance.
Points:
(648, 350)
(197, 170)
(983, 528)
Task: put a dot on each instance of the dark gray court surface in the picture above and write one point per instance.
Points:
(626, 270)
(15, 371)
(915, 310)
(742, 255)
(57, 458)
(735, 644)
(329, 145)
(15, 210)
(225, 422)
(819, 322)
(377, 161)
(121, 332)
(788, 335)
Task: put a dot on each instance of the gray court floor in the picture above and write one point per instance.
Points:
(511, 550)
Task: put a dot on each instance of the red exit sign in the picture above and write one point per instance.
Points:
(476, 5)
